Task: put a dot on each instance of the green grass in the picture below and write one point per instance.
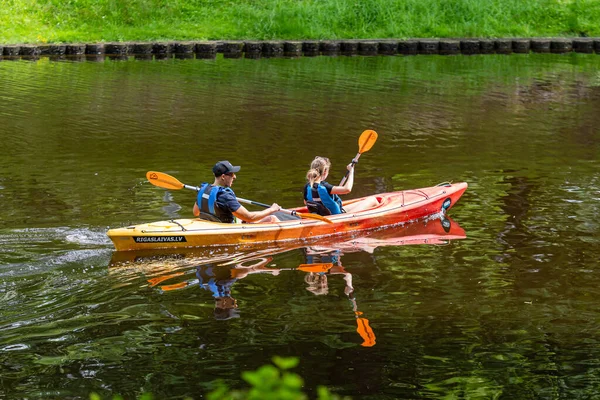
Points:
(39, 21)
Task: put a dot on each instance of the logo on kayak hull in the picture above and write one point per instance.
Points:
(159, 239)
(446, 204)
(446, 224)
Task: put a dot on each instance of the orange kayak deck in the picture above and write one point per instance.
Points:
(393, 208)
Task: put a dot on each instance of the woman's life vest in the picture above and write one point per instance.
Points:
(321, 202)
(332, 257)
(207, 199)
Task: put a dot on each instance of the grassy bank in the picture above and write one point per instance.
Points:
(46, 21)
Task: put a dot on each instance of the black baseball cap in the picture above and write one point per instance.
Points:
(224, 167)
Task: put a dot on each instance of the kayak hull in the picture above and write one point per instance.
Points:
(435, 230)
(393, 208)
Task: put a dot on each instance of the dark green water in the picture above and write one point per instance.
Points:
(511, 311)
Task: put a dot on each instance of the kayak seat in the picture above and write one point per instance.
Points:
(282, 216)
(315, 207)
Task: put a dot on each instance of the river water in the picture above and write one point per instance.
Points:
(503, 305)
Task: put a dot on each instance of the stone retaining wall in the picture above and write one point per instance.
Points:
(256, 49)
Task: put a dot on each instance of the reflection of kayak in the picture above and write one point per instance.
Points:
(393, 208)
(217, 269)
(432, 231)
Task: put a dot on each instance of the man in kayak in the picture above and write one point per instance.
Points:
(322, 197)
(218, 203)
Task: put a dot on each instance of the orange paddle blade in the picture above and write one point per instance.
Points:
(163, 180)
(314, 216)
(366, 140)
(365, 332)
(317, 267)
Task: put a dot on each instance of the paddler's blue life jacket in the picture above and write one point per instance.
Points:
(217, 279)
(207, 199)
(330, 257)
(319, 201)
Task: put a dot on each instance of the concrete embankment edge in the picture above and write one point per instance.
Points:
(257, 49)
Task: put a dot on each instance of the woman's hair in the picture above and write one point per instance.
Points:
(317, 168)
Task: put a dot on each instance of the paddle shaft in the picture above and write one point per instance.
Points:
(354, 161)
(255, 203)
(366, 140)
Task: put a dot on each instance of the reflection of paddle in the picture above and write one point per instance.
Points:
(363, 327)
(365, 332)
(168, 182)
(175, 286)
(319, 267)
(366, 140)
(159, 279)
(239, 271)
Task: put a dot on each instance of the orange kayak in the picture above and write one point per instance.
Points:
(393, 208)
(436, 230)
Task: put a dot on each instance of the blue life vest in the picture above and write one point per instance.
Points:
(333, 203)
(331, 257)
(209, 210)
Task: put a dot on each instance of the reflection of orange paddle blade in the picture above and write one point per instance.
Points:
(317, 267)
(365, 332)
(159, 279)
(174, 286)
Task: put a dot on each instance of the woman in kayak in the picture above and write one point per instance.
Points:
(322, 198)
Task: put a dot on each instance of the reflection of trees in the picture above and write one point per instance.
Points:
(503, 314)
(90, 116)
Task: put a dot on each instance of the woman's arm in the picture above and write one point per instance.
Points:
(346, 187)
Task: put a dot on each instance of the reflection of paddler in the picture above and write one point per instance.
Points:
(329, 263)
(219, 279)
(321, 264)
(314, 257)
(226, 308)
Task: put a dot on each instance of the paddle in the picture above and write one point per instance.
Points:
(315, 267)
(366, 140)
(362, 325)
(168, 182)
(365, 331)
